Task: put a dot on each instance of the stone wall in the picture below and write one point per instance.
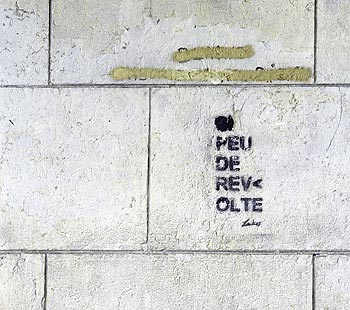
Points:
(212, 183)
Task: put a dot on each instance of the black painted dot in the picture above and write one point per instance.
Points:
(224, 123)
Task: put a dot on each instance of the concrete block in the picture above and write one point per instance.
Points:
(73, 168)
(24, 42)
(22, 282)
(181, 281)
(92, 37)
(250, 168)
(332, 282)
(333, 42)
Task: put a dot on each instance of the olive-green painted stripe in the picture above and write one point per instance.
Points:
(299, 74)
(218, 52)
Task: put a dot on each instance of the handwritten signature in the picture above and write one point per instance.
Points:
(250, 223)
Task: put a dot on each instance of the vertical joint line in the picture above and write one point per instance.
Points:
(315, 42)
(45, 282)
(148, 161)
(49, 45)
(313, 294)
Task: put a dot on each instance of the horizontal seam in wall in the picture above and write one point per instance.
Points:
(174, 85)
(167, 252)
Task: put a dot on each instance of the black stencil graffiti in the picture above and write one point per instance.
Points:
(233, 143)
(250, 223)
(231, 181)
(224, 123)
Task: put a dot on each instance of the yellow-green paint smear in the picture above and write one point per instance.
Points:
(298, 74)
(218, 52)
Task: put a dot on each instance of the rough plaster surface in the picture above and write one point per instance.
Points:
(23, 42)
(73, 162)
(92, 37)
(333, 42)
(332, 282)
(73, 168)
(21, 282)
(186, 281)
(300, 149)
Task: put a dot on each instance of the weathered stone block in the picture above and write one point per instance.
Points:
(250, 168)
(332, 282)
(92, 37)
(24, 42)
(333, 42)
(21, 282)
(73, 168)
(186, 281)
